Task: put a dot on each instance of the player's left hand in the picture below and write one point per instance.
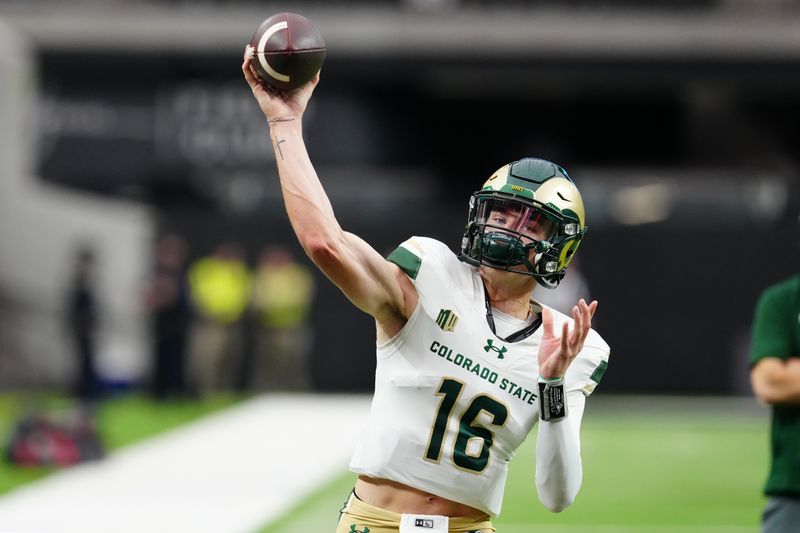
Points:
(557, 353)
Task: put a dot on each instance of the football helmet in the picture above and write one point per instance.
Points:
(528, 218)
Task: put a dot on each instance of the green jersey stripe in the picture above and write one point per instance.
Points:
(406, 260)
(597, 375)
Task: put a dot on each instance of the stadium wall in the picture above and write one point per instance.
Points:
(40, 228)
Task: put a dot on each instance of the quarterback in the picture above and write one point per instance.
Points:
(467, 361)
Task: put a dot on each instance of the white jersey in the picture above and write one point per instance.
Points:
(453, 401)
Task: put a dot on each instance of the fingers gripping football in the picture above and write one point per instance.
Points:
(277, 105)
(556, 353)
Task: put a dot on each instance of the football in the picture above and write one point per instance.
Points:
(287, 50)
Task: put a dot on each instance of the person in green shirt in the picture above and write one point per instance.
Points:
(775, 376)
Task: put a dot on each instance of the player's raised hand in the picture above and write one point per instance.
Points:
(277, 105)
(556, 353)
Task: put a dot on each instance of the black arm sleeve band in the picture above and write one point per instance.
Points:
(552, 402)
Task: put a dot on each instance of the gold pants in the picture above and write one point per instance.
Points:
(360, 517)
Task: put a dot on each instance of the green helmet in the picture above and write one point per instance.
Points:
(528, 218)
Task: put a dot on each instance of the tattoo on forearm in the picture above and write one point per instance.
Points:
(278, 146)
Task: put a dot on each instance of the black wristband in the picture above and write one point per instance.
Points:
(552, 402)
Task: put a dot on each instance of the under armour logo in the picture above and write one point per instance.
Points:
(491, 346)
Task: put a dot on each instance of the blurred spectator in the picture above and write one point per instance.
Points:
(572, 288)
(82, 323)
(282, 299)
(775, 375)
(167, 301)
(220, 287)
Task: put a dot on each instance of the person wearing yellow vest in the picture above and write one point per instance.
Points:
(282, 297)
(220, 287)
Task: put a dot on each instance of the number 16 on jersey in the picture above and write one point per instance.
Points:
(449, 390)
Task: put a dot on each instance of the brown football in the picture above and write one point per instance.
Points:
(287, 50)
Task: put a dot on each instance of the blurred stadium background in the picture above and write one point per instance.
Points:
(679, 120)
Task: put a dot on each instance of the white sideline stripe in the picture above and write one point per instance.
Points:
(230, 472)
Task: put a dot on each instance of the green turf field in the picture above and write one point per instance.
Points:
(650, 465)
(122, 420)
(657, 465)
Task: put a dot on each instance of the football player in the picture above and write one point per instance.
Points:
(467, 361)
